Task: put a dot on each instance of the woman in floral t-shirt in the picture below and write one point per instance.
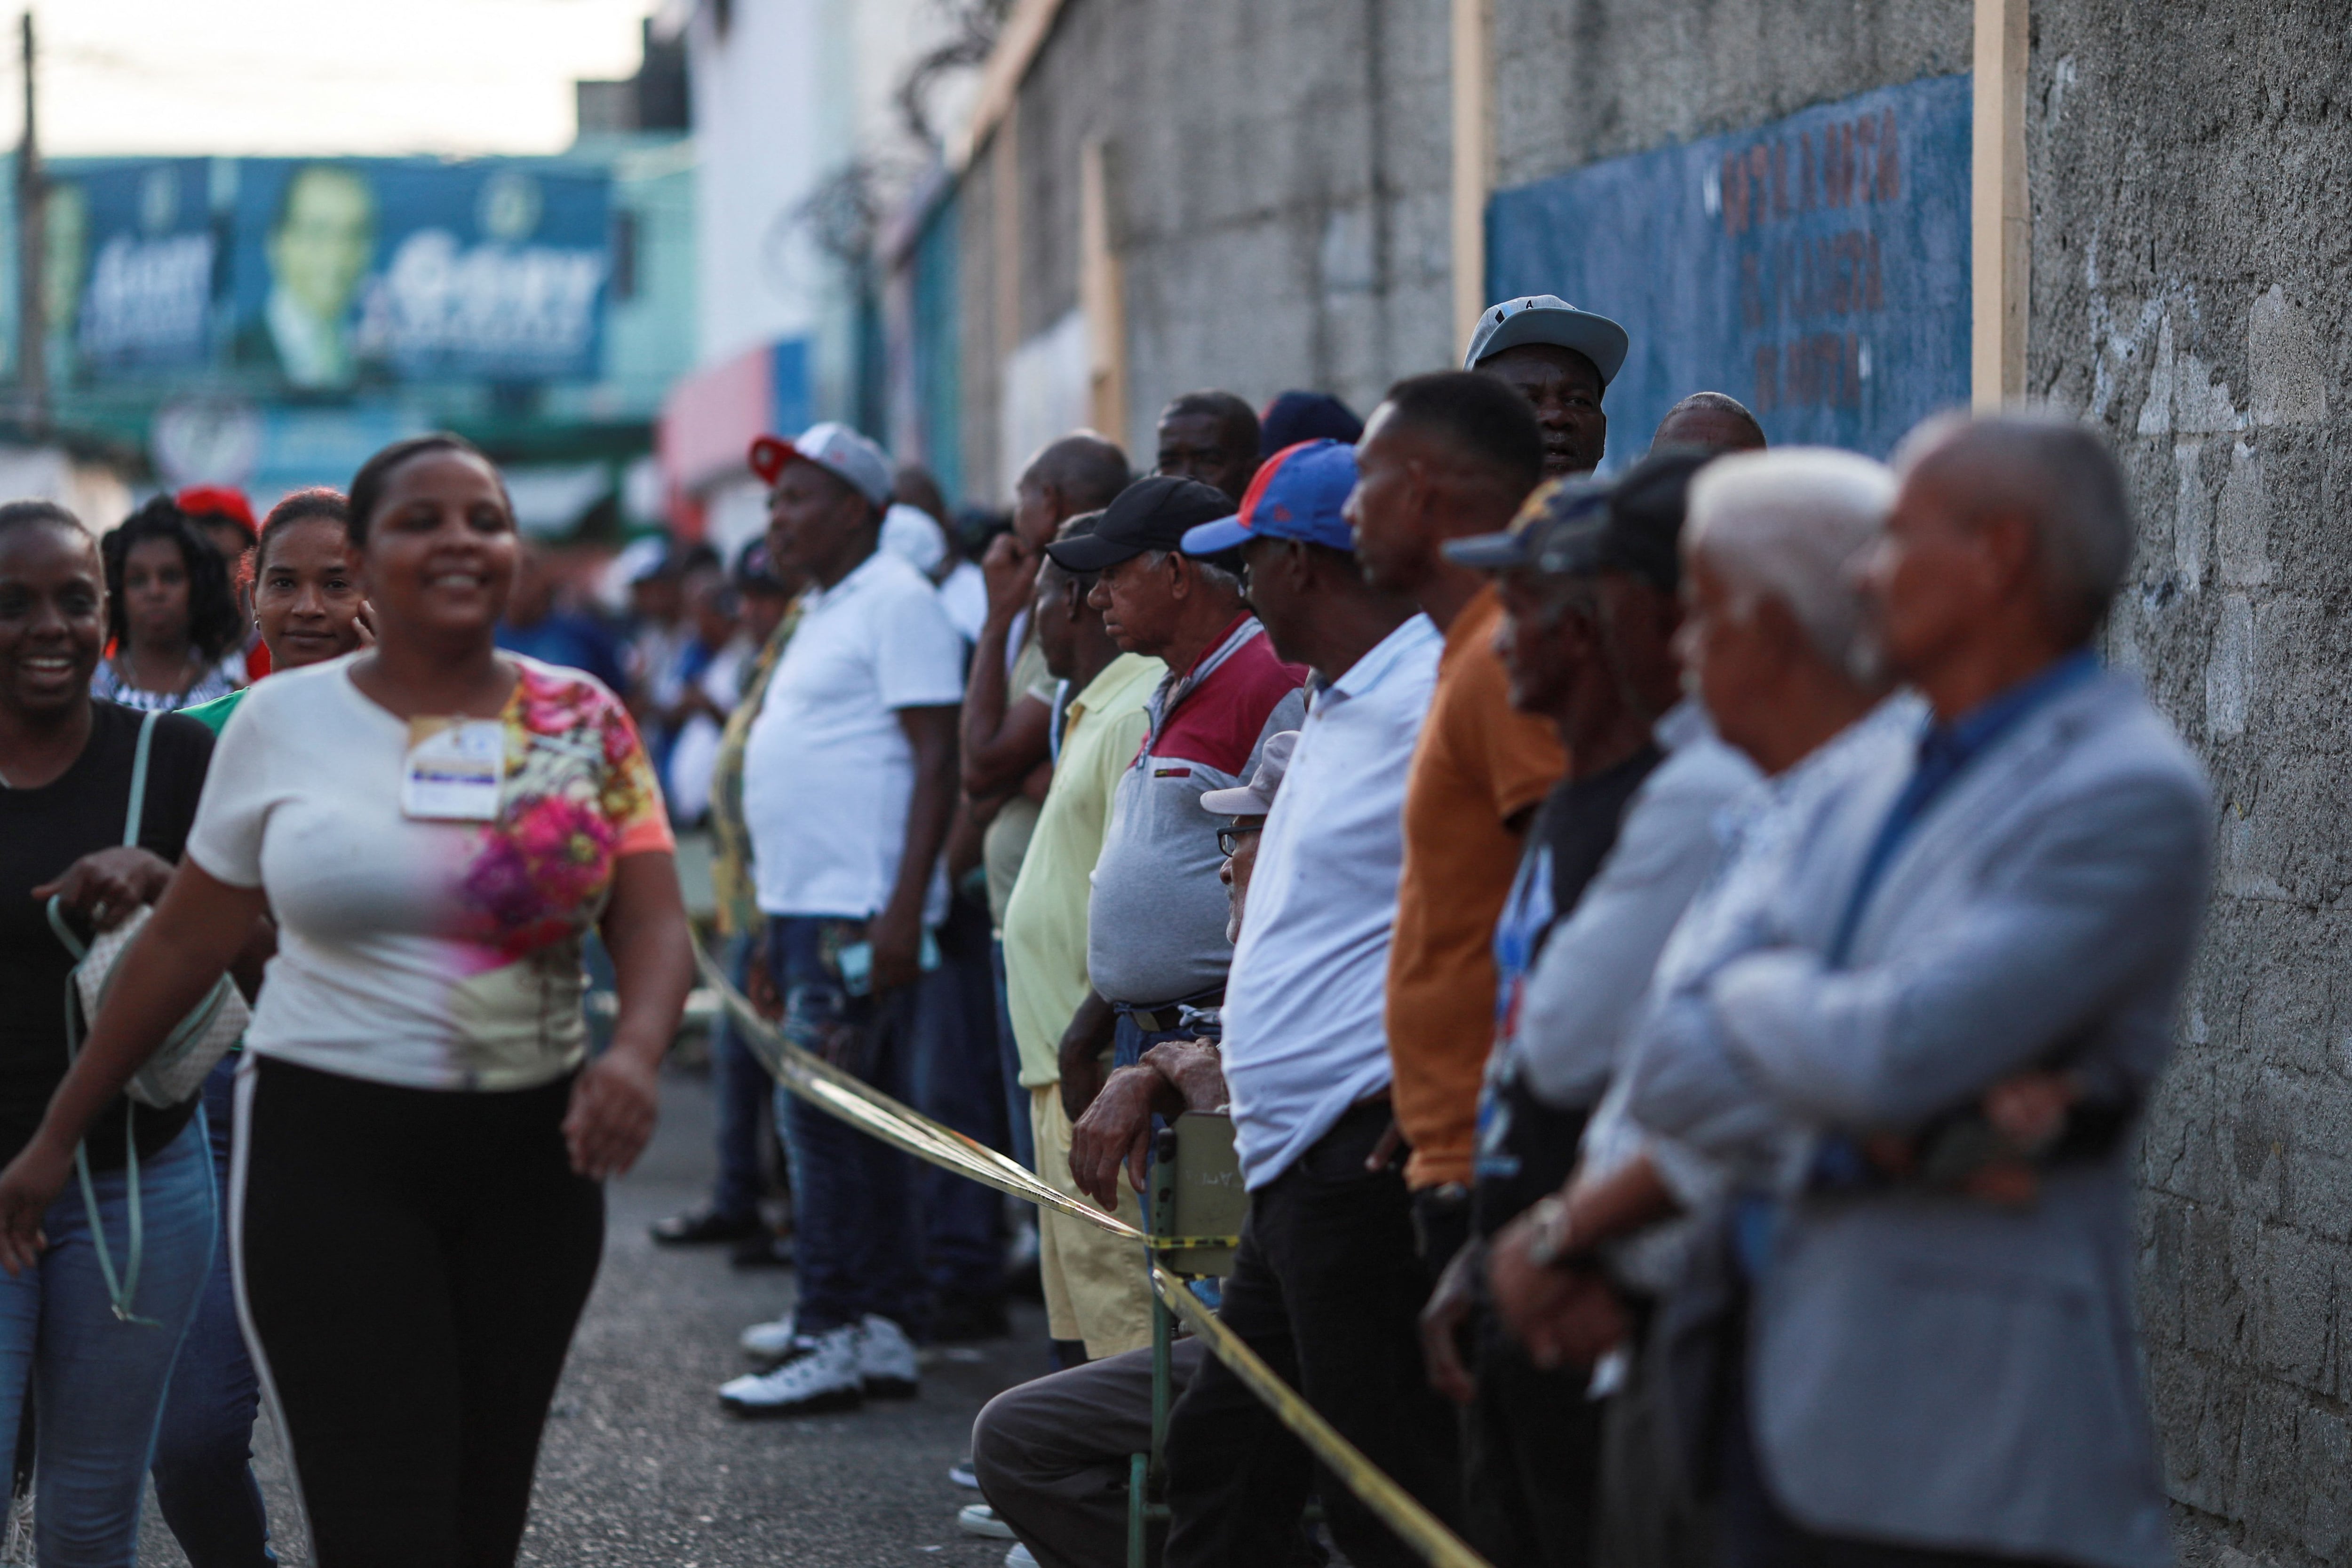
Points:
(415, 1185)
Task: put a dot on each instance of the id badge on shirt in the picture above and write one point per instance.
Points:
(453, 769)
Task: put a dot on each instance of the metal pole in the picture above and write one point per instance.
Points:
(32, 304)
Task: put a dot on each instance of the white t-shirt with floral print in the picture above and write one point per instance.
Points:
(435, 955)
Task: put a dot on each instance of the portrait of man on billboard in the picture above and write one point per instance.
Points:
(319, 247)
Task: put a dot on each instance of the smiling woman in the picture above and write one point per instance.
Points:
(437, 826)
(306, 600)
(69, 766)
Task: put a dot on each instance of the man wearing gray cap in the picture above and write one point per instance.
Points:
(848, 782)
(1560, 359)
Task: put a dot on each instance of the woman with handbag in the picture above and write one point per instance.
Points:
(307, 609)
(91, 1329)
(415, 1209)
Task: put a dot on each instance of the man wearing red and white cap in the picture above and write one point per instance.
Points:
(848, 783)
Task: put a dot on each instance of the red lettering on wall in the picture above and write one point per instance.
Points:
(1855, 161)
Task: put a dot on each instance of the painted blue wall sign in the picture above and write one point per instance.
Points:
(1816, 269)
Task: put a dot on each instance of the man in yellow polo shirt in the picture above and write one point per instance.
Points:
(1095, 1290)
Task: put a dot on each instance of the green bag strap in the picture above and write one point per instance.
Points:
(138, 779)
(124, 1290)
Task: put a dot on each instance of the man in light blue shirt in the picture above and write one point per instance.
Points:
(1327, 1283)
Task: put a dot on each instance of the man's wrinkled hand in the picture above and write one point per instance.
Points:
(1193, 1069)
(1115, 1131)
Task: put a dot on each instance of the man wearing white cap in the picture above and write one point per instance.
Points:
(848, 784)
(1560, 359)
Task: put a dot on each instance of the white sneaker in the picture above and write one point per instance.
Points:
(1020, 1557)
(885, 1359)
(769, 1342)
(979, 1519)
(820, 1374)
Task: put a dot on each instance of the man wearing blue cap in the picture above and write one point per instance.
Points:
(1328, 1283)
(1561, 360)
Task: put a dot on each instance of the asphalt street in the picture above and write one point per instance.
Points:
(641, 1466)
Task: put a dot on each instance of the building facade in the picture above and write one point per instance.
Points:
(1775, 198)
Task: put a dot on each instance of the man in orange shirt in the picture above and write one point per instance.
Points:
(1445, 456)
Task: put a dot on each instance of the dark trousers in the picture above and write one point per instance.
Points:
(959, 1081)
(741, 1095)
(856, 1245)
(1016, 1098)
(413, 1263)
(1327, 1288)
(1531, 1451)
(1052, 1454)
(204, 1448)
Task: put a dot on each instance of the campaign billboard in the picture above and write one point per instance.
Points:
(331, 276)
(131, 257)
(1816, 268)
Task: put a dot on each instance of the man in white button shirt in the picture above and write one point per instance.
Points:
(848, 783)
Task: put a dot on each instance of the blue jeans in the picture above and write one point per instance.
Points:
(855, 1241)
(203, 1452)
(98, 1382)
(739, 1091)
(957, 1080)
(1131, 1040)
(1016, 1097)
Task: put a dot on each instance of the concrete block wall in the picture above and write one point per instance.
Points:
(1577, 80)
(1281, 209)
(1279, 189)
(2192, 168)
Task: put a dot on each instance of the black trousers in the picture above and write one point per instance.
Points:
(1532, 1444)
(411, 1263)
(1327, 1288)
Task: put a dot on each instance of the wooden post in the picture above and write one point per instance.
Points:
(2000, 222)
(1102, 293)
(1474, 158)
(32, 251)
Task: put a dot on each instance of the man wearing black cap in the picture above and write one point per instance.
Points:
(1156, 928)
(1561, 360)
(1588, 577)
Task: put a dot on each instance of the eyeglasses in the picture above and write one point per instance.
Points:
(1229, 840)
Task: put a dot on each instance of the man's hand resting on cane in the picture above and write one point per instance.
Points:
(1115, 1131)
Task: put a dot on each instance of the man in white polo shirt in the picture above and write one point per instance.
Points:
(848, 784)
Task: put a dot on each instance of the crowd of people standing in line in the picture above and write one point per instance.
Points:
(1682, 955)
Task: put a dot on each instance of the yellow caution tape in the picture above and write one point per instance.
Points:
(831, 1090)
(1397, 1507)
